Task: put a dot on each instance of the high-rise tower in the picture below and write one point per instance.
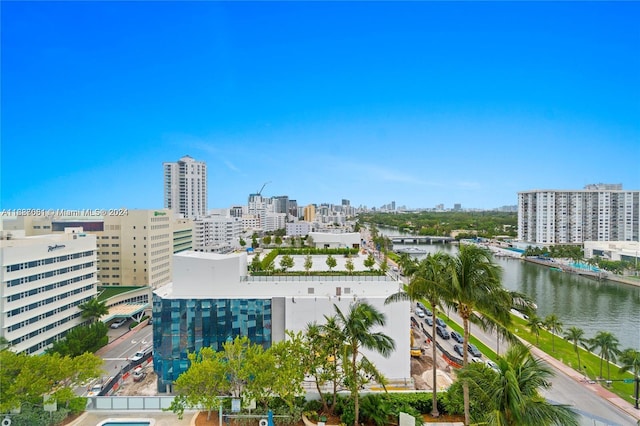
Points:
(185, 187)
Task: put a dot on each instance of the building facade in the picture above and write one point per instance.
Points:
(597, 213)
(212, 300)
(43, 280)
(217, 233)
(185, 187)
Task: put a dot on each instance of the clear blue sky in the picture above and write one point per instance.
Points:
(420, 103)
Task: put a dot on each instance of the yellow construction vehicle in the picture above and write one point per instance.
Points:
(415, 351)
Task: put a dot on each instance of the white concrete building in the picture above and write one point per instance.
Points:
(185, 187)
(335, 240)
(43, 280)
(597, 213)
(274, 221)
(212, 298)
(613, 250)
(217, 233)
(300, 228)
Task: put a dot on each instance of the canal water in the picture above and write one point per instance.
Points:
(577, 301)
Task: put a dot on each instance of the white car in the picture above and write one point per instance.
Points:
(95, 390)
(492, 365)
(118, 323)
(419, 313)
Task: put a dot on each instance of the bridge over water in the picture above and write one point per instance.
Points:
(419, 239)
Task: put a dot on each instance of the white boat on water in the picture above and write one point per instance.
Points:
(411, 250)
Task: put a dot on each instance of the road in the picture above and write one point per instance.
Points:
(593, 409)
(123, 344)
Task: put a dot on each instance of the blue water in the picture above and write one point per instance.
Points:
(584, 266)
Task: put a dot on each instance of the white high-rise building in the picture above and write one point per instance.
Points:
(185, 187)
(597, 213)
(44, 279)
(217, 233)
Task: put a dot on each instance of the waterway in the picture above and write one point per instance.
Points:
(577, 301)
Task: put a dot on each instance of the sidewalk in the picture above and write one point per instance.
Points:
(603, 392)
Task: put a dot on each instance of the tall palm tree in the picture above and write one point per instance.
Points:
(93, 309)
(356, 329)
(535, 324)
(476, 287)
(630, 360)
(428, 282)
(511, 397)
(607, 344)
(553, 323)
(576, 336)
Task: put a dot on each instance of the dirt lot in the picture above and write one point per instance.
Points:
(146, 387)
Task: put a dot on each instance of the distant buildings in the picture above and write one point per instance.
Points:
(602, 212)
(134, 249)
(185, 187)
(44, 279)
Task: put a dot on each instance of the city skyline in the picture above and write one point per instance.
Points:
(421, 103)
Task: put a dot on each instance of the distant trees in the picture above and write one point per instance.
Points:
(331, 262)
(308, 263)
(286, 262)
(81, 339)
(370, 262)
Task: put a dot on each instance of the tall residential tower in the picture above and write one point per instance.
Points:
(185, 187)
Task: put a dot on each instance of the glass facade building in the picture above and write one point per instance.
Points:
(181, 326)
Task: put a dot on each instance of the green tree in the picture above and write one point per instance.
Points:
(554, 325)
(286, 262)
(81, 339)
(308, 263)
(384, 266)
(266, 240)
(93, 309)
(476, 287)
(356, 328)
(278, 240)
(511, 396)
(535, 324)
(576, 336)
(256, 263)
(25, 379)
(254, 241)
(202, 383)
(429, 281)
(630, 360)
(332, 344)
(242, 243)
(607, 345)
(370, 262)
(349, 266)
(331, 262)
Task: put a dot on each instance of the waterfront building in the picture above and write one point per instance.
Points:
(212, 300)
(185, 187)
(44, 279)
(601, 212)
(627, 251)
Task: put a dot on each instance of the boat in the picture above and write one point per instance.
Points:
(411, 250)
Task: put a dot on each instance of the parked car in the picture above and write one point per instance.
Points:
(442, 332)
(419, 312)
(441, 323)
(474, 351)
(95, 390)
(428, 312)
(458, 349)
(117, 323)
(429, 321)
(414, 321)
(420, 305)
(457, 337)
(492, 365)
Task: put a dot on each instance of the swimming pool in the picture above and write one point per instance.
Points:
(585, 267)
(127, 422)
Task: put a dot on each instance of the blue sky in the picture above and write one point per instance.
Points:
(420, 103)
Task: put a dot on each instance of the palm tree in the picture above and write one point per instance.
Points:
(333, 342)
(429, 282)
(512, 395)
(476, 287)
(535, 324)
(575, 335)
(608, 344)
(552, 322)
(630, 360)
(356, 330)
(93, 309)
